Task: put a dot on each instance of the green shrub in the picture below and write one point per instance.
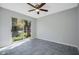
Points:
(21, 36)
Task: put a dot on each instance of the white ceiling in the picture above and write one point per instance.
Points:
(24, 7)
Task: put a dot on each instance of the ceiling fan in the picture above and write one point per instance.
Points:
(37, 7)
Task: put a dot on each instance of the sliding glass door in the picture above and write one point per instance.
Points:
(21, 29)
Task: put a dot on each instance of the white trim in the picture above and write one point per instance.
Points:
(18, 43)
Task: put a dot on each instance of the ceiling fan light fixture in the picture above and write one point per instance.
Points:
(37, 10)
(37, 7)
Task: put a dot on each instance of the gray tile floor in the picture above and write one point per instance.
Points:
(42, 47)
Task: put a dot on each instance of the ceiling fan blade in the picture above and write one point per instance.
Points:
(31, 5)
(32, 10)
(42, 4)
(44, 10)
(37, 12)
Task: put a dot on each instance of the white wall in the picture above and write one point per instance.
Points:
(60, 27)
(6, 24)
(78, 23)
